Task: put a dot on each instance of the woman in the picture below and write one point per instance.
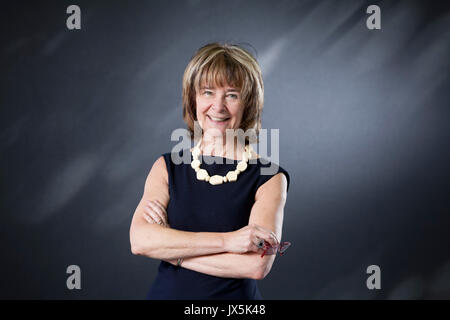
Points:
(207, 221)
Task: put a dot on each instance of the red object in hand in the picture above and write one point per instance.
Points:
(269, 249)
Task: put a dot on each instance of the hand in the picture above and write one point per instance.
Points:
(246, 239)
(154, 212)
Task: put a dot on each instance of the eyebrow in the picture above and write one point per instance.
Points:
(228, 90)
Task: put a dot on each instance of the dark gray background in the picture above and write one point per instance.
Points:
(364, 132)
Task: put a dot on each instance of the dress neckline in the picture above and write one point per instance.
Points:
(225, 159)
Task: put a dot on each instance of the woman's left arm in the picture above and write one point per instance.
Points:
(267, 212)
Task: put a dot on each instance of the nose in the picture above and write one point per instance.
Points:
(219, 103)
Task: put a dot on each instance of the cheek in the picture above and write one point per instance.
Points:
(238, 113)
(201, 112)
(200, 106)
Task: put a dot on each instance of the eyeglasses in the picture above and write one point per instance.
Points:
(280, 247)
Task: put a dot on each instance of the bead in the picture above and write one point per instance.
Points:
(202, 174)
(195, 163)
(231, 176)
(216, 179)
(242, 166)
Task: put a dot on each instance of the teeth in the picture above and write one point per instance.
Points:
(218, 119)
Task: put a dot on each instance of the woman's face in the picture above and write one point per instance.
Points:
(219, 108)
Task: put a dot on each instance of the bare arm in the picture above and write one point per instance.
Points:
(266, 212)
(156, 241)
(159, 242)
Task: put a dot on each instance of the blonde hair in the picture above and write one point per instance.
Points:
(218, 64)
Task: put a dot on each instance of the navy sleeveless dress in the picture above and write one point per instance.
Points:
(198, 206)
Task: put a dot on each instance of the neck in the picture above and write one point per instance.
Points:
(220, 147)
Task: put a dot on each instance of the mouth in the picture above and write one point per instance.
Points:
(220, 121)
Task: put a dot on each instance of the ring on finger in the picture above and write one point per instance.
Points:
(260, 243)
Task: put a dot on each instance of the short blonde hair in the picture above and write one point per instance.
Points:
(218, 64)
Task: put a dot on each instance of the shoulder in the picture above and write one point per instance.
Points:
(275, 186)
(157, 182)
(272, 179)
(160, 163)
(271, 176)
(158, 171)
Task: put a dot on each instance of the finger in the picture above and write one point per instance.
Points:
(163, 209)
(161, 214)
(148, 218)
(266, 236)
(269, 232)
(157, 210)
(275, 237)
(272, 235)
(254, 246)
(262, 246)
(153, 214)
(159, 203)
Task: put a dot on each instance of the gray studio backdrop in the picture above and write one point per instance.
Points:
(364, 133)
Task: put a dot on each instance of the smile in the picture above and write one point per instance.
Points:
(217, 120)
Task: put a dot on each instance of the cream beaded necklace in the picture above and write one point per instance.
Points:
(231, 176)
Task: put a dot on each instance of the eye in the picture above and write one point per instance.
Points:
(207, 92)
(232, 95)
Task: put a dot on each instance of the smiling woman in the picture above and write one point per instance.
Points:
(213, 233)
(223, 82)
(226, 110)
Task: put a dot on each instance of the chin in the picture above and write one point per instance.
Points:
(216, 132)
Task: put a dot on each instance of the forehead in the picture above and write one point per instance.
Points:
(211, 81)
(220, 76)
(214, 86)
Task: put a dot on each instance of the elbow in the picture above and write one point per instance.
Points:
(143, 243)
(136, 244)
(139, 249)
(136, 249)
(261, 270)
(258, 275)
